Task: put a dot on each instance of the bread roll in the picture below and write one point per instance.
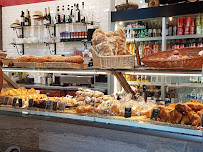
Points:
(96, 32)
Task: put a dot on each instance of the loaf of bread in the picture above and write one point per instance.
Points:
(111, 43)
(54, 58)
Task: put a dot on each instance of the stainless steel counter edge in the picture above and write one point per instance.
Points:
(176, 130)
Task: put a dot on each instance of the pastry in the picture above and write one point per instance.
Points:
(183, 108)
(194, 118)
(185, 120)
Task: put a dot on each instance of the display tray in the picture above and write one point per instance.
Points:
(53, 65)
(135, 121)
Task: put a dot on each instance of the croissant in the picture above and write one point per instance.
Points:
(194, 118)
(185, 120)
(183, 108)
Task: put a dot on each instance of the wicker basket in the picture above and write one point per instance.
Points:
(113, 62)
(161, 59)
(25, 64)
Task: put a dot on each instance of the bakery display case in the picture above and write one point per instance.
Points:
(120, 108)
(115, 91)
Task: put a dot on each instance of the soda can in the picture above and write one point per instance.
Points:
(198, 30)
(180, 22)
(139, 78)
(148, 78)
(180, 31)
(187, 30)
(192, 29)
(188, 21)
(198, 22)
(143, 78)
(193, 21)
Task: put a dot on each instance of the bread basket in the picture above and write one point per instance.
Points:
(162, 60)
(113, 62)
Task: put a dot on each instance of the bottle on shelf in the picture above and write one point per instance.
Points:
(68, 15)
(71, 15)
(159, 29)
(170, 29)
(175, 27)
(74, 12)
(150, 30)
(167, 28)
(198, 25)
(63, 15)
(83, 13)
(77, 13)
(58, 18)
(26, 18)
(29, 17)
(45, 16)
(22, 19)
(154, 29)
(49, 16)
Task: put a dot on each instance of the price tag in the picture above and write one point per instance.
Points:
(48, 105)
(167, 102)
(20, 102)
(6, 100)
(202, 123)
(14, 102)
(54, 106)
(127, 112)
(62, 106)
(155, 114)
(31, 103)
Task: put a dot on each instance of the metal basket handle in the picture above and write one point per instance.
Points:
(147, 49)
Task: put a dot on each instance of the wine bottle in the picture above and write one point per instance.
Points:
(68, 15)
(63, 15)
(77, 13)
(26, 18)
(45, 16)
(22, 19)
(71, 15)
(83, 13)
(58, 18)
(29, 17)
(49, 16)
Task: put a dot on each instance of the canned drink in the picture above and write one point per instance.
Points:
(180, 31)
(143, 78)
(148, 78)
(134, 77)
(198, 21)
(131, 47)
(187, 30)
(139, 78)
(181, 46)
(192, 29)
(198, 30)
(192, 21)
(188, 21)
(180, 22)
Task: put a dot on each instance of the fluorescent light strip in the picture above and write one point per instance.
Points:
(166, 74)
(49, 71)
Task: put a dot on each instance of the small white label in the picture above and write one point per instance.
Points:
(25, 112)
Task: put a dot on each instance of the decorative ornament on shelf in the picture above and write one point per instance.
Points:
(127, 5)
(153, 3)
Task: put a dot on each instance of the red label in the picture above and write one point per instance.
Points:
(180, 31)
(180, 22)
(192, 30)
(188, 21)
(187, 30)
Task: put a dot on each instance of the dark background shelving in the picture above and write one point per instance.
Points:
(156, 12)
